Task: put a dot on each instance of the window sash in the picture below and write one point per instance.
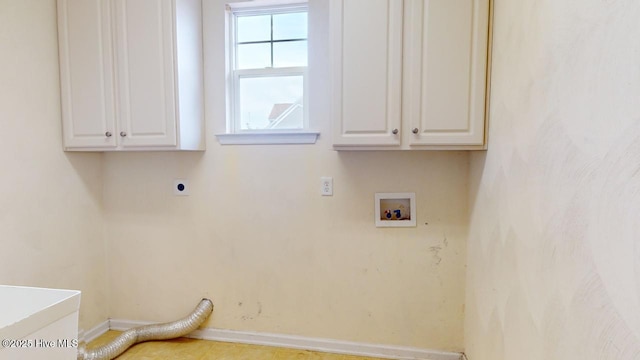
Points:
(235, 125)
(256, 11)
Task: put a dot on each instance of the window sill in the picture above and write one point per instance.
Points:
(269, 138)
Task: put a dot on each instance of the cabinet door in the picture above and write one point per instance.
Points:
(366, 45)
(445, 71)
(146, 73)
(86, 73)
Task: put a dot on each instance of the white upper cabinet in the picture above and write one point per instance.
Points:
(409, 74)
(446, 45)
(131, 74)
(366, 45)
(86, 73)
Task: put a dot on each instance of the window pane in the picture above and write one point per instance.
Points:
(290, 26)
(253, 28)
(290, 53)
(271, 102)
(254, 56)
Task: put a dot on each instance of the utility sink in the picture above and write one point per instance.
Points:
(38, 323)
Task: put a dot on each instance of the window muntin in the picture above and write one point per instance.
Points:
(272, 39)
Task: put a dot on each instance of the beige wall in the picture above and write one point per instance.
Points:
(256, 236)
(51, 232)
(553, 247)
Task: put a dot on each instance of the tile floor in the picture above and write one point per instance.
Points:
(192, 349)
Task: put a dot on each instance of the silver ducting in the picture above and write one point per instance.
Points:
(136, 335)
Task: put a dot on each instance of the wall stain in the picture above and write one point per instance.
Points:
(252, 316)
(435, 253)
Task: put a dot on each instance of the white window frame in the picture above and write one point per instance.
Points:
(234, 133)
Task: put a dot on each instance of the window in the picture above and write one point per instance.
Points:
(267, 74)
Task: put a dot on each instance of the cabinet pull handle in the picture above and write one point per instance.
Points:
(108, 134)
(123, 134)
(394, 131)
(415, 130)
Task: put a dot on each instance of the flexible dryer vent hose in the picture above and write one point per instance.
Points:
(136, 335)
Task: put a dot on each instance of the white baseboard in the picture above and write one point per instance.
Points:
(306, 343)
(94, 332)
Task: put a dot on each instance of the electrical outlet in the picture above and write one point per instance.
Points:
(326, 188)
(181, 187)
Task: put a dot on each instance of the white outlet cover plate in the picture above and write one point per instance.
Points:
(326, 186)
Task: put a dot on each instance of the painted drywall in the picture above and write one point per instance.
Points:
(51, 232)
(258, 239)
(255, 235)
(553, 256)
